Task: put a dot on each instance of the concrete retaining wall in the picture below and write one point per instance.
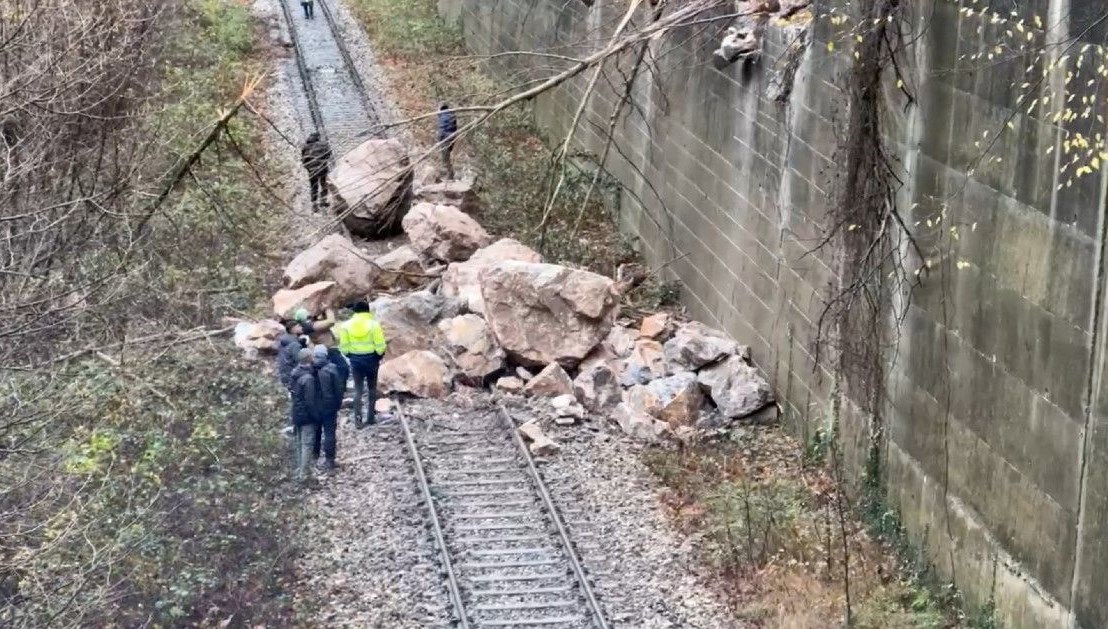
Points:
(997, 452)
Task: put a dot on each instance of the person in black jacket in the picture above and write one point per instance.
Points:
(316, 157)
(307, 411)
(448, 128)
(332, 387)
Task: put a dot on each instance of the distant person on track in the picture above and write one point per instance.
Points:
(362, 340)
(316, 157)
(307, 411)
(309, 8)
(448, 128)
(332, 387)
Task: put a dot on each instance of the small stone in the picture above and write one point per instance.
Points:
(443, 232)
(524, 375)
(540, 443)
(565, 421)
(567, 406)
(509, 384)
(552, 381)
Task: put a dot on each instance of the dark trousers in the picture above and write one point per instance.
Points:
(309, 9)
(364, 369)
(448, 157)
(325, 438)
(318, 185)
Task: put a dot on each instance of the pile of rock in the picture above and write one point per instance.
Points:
(501, 316)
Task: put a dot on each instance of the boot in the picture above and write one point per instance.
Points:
(329, 466)
(358, 423)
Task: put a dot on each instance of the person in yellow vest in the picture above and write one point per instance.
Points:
(362, 341)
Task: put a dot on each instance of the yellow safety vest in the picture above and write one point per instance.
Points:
(361, 334)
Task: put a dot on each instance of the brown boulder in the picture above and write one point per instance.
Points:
(372, 187)
(695, 345)
(621, 341)
(469, 342)
(420, 373)
(399, 268)
(463, 279)
(550, 382)
(334, 259)
(545, 313)
(656, 327)
(260, 336)
(443, 232)
(315, 298)
(675, 400)
(540, 443)
(736, 387)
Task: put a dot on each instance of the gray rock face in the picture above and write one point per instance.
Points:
(675, 400)
(459, 193)
(695, 345)
(638, 424)
(597, 388)
(736, 387)
(545, 313)
(372, 187)
(646, 362)
(409, 321)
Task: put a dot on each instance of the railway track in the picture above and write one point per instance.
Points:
(339, 104)
(505, 550)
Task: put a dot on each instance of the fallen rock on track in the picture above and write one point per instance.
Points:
(334, 259)
(468, 340)
(399, 268)
(567, 407)
(463, 279)
(420, 373)
(372, 187)
(695, 345)
(443, 232)
(550, 382)
(315, 298)
(736, 387)
(409, 321)
(540, 443)
(545, 313)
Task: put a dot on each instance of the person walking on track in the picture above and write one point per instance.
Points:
(316, 157)
(309, 8)
(448, 128)
(362, 340)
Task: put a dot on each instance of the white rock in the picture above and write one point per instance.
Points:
(567, 406)
(420, 373)
(540, 443)
(463, 279)
(468, 340)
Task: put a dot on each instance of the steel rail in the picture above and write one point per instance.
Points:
(346, 57)
(556, 517)
(436, 524)
(302, 68)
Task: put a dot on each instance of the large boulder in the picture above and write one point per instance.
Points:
(736, 387)
(545, 313)
(420, 373)
(463, 279)
(550, 382)
(315, 298)
(409, 321)
(695, 345)
(260, 336)
(468, 340)
(646, 362)
(334, 259)
(638, 424)
(459, 193)
(597, 388)
(675, 399)
(621, 341)
(372, 187)
(443, 232)
(399, 268)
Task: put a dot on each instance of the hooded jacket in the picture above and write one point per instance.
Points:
(448, 124)
(331, 387)
(307, 399)
(334, 354)
(315, 155)
(288, 347)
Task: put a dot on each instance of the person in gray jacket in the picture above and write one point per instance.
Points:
(307, 411)
(332, 387)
